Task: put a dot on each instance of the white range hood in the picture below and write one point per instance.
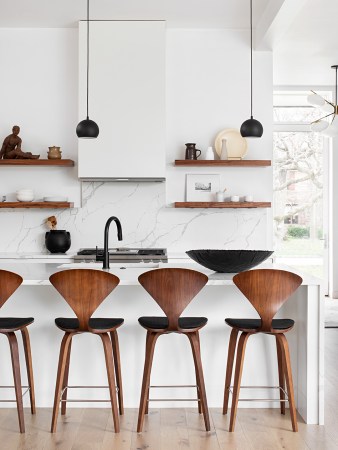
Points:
(126, 100)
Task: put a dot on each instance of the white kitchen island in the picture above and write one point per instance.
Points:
(173, 362)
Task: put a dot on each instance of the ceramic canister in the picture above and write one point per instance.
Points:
(54, 153)
(57, 241)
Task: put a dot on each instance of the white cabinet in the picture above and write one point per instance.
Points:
(126, 100)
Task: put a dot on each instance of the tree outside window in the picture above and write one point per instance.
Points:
(298, 188)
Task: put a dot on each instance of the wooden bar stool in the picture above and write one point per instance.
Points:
(173, 290)
(84, 290)
(267, 290)
(9, 282)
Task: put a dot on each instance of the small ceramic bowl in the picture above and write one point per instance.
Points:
(25, 195)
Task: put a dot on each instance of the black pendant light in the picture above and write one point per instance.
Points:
(251, 127)
(87, 128)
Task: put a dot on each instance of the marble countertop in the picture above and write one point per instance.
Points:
(36, 255)
(38, 274)
(68, 255)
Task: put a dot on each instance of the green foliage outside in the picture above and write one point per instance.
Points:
(298, 232)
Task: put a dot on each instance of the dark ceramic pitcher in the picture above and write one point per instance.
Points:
(57, 241)
(191, 151)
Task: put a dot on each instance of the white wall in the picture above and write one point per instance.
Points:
(299, 68)
(333, 221)
(207, 90)
(38, 92)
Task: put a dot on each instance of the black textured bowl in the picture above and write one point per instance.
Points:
(229, 261)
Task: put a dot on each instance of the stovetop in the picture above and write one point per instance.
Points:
(126, 254)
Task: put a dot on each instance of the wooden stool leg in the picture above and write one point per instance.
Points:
(288, 376)
(65, 382)
(60, 376)
(200, 411)
(195, 346)
(29, 366)
(198, 393)
(117, 365)
(146, 411)
(281, 376)
(150, 346)
(108, 353)
(230, 364)
(13, 344)
(238, 375)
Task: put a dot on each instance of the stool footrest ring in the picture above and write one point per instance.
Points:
(12, 387)
(261, 399)
(173, 400)
(174, 386)
(85, 401)
(81, 400)
(170, 386)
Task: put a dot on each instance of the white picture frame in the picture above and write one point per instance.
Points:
(202, 187)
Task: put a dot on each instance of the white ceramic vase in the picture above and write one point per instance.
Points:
(209, 154)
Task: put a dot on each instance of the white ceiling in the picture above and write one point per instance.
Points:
(178, 13)
(303, 55)
(306, 52)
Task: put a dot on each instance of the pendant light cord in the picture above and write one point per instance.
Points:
(251, 52)
(87, 55)
(336, 85)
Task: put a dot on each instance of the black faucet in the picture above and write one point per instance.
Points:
(105, 257)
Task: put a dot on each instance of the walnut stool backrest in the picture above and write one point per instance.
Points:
(173, 290)
(267, 290)
(84, 290)
(9, 283)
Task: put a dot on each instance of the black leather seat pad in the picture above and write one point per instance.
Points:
(97, 324)
(161, 323)
(253, 324)
(13, 323)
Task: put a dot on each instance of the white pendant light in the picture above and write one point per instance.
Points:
(327, 108)
(332, 130)
(319, 126)
(315, 100)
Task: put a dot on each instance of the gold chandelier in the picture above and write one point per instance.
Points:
(321, 125)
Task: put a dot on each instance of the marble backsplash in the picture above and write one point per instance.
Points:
(147, 221)
(198, 107)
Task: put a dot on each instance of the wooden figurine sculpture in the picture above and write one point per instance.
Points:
(11, 147)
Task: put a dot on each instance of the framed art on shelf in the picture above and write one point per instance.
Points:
(202, 187)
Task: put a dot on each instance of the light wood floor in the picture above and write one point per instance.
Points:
(171, 429)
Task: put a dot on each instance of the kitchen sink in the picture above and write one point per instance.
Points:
(116, 265)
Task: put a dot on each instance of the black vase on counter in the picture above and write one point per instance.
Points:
(57, 241)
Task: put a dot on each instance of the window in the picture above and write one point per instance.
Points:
(299, 165)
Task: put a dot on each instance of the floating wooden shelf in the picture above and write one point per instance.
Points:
(225, 162)
(49, 205)
(37, 162)
(222, 205)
